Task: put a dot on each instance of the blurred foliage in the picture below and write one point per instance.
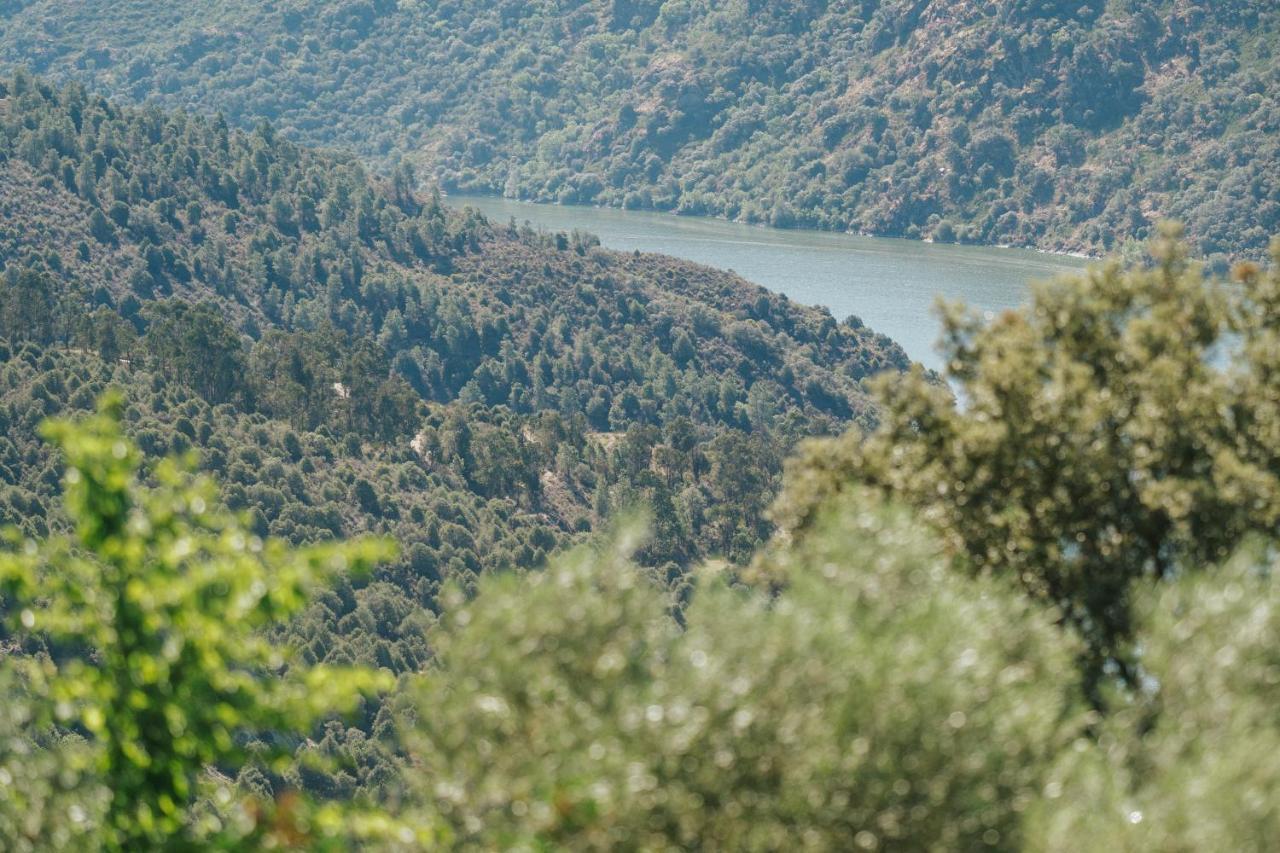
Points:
(48, 802)
(348, 357)
(879, 702)
(1124, 426)
(868, 697)
(901, 667)
(1062, 125)
(877, 691)
(1191, 763)
(149, 626)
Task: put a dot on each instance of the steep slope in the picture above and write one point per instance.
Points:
(347, 356)
(1063, 125)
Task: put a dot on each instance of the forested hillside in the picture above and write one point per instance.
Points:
(348, 356)
(1062, 125)
(1044, 621)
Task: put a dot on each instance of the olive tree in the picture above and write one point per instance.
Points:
(879, 701)
(1192, 760)
(1124, 425)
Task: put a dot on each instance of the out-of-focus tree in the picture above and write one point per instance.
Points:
(1192, 762)
(881, 701)
(1125, 425)
(149, 624)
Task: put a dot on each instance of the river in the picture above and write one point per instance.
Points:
(891, 284)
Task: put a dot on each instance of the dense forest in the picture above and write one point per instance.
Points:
(1045, 621)
(347, 356)
(1062, 125)
(334, 518)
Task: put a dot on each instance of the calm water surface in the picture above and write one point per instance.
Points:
(890, 284)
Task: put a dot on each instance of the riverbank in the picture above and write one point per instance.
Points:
(1060, 253)
(891, 284)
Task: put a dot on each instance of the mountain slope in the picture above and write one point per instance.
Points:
(1060, 125)
(348, 356)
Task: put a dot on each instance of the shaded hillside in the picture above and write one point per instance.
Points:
(348, 356)
(1062, 125)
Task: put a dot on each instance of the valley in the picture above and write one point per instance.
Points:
(890, 285)
(639, 425)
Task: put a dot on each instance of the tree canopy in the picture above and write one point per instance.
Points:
(1026, 604)
(880, 677)
(1062, 125)
(1121, 427)
(878, 702)
(147, 621)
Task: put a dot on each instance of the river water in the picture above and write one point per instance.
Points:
(891, 284)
